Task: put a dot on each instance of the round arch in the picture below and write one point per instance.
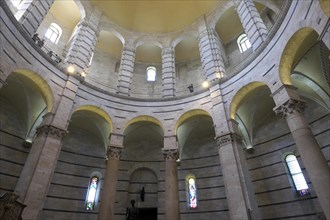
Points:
(290, 53)
(41, 84)
(98, 111)
(192, 113)
(144, 118)
(239, 96)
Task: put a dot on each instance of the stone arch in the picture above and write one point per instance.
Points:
(140, 41)
(239, 96)
(144, 118)
(41, 84)
(192, 113)
(97, 110)
(81, 9)
(290, 54)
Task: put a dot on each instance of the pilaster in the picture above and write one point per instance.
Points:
(126, 70)
(211, 54)
(34, 15)
(168, 75)
(82, 46)
(252, 23)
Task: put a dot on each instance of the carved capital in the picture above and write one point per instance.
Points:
(226, 139)
(49, 130)
(170, 154)
(292, 106)
(114, 152)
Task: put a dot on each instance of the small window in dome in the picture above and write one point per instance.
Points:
(243, 43)
(54, 33)
(151, 74)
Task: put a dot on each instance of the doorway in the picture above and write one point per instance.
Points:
(148, 213)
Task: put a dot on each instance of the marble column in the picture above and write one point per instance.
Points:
(168, 75)
(211, 53)
(252, 23)
(39, 168)
(126, 70)
(238, 203)
(34, 15)
(309, 150)
(108, 195)
(172, 203)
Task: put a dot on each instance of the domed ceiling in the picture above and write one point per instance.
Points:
(155, 16)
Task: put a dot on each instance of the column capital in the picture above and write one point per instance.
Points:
(114, 152)
(227, 139)
(170, 154)
(50, 130)
(290, 107)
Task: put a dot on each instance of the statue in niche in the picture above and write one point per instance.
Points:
(142, 193)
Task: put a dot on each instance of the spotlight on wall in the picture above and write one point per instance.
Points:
(219, 75)
(191, 88)
(83, 74)
(205, 84)
(70, 69)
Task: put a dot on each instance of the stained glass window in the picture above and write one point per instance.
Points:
(151, 73)
(243, 43)
(296, 175)
(54, 33)
(192, 193)
(91, 193)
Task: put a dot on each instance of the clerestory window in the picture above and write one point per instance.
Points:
(243, 43)
(54, 33)
(151, 74)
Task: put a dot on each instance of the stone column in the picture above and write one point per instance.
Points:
(34, 15)
(126, 70)
(210, 53)
(39, 167)
(47, 153)
(252, 23)
(168, 75)
(172, 203)
(234, 184)
(309, 150)
(238, 186)
(108, 194)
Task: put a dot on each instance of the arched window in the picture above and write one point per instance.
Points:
(54, 33)
(243, 43)
(192, 193)
(92, 192)
(151, 74)
(296, 175)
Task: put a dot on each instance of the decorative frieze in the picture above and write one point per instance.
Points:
(292, 106)
(171, 154)
(114, 152)
(49, 130)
